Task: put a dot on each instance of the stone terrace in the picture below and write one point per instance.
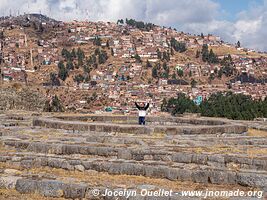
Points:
(66, 156)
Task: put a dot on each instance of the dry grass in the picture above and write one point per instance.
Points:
(256, 151)
(216, 149)
(3, 149)
(4, 165)
(223, 50)
(42, 134)
(255, 132)
(158, 135)
(220, 149)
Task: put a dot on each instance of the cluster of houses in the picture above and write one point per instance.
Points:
(120, 81)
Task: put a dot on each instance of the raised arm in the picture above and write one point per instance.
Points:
(147, 106)
(137, 106)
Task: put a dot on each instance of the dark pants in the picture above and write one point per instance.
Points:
(142, 121)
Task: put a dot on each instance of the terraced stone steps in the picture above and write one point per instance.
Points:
(257, 163)
(154, 169)
(216, 157)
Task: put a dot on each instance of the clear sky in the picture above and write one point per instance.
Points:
(233, 20)
(233, 7)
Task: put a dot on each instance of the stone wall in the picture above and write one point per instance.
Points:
(192, 126)
(158, 120)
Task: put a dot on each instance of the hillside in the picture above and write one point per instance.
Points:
(112, 59)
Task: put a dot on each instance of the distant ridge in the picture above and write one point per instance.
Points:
(26, 19)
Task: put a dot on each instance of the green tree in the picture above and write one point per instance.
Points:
(97, 41)
(2, 37)
(212, 57)
(54, 105)
(102, 57)
(120, 21)
(205, 53)
(155, 72)
(208, 56)
(139, 24)
(81, 56)
(211, 78)
(62, 71)
(137, 58)
(178, 46)
(66, 54)
(73, 53)
(79, 78)
(190, 73)
(238, 45)
(180, 73)
(166, 56)
(232, 106)
(54, 79)
(69, 65)
(180, 105)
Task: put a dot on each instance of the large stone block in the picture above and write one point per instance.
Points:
(251, 179)
(26, 186)
(8, 182)
(200, 176)
(182, 157)
(74, 191)
(50, 188)
(124, 154)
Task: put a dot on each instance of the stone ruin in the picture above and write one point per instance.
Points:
(66, 156)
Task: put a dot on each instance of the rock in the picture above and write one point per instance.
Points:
(182, 157)
(252, 179)
(55, 162)
(16, 159)
(75, 191)
(124, 154)
(50, 188)
(26, 164)
(25, 186)
(146, 187)
(138, 157)
(66, 165)
(8, 182)
(200, 176)
(11, 171)
(79, 168)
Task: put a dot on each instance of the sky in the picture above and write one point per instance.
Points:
(232, 20)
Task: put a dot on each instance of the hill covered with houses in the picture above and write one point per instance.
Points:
(95, 65)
